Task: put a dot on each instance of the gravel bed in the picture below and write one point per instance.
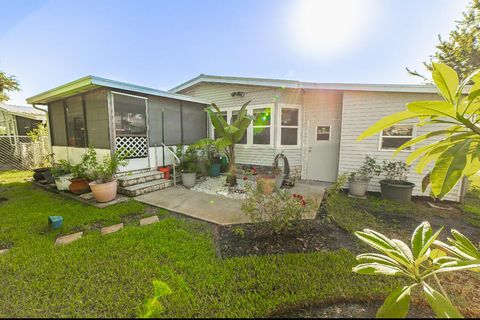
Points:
(217, 186)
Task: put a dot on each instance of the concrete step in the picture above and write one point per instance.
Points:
(146, 187)
(130, 180)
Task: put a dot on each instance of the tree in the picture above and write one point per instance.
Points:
(7, 84)
(462, 49)
(229, 135)
(457, 153)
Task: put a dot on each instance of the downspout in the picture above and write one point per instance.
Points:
(48, 126)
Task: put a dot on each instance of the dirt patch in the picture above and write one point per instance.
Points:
(311, 236)
(3, 199)
(6, 245)
(348, 310)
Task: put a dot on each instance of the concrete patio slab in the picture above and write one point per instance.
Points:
(218, 209)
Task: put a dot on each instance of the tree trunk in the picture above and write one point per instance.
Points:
(232, 169)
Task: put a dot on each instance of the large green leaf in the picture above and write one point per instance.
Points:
(464, 242)
(409, 143)
(428, 243)
(397, 304)
(387, 122)
(448, 168)
(378, 258)
(458, 265)
(432, 108)
(442, 307)
(420, 237)
(217, 120)
(378, 268)
(446, 80)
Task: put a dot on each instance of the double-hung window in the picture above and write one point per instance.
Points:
(393, 137)
(289, 126)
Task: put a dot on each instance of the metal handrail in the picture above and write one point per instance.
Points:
(174, 164)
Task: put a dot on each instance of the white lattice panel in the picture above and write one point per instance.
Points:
(133, 147)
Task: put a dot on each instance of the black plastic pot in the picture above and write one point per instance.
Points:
(38, 174)
(397, 191)
(48, 177)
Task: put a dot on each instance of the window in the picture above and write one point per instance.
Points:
(323, 133)
(289, 130)
(233, 118)
(130, 116)
(395, 136)
(262, 126)
(75, 122)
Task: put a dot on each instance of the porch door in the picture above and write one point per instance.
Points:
(323, 148)
(131, 132)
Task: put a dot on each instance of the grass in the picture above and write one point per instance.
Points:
(472, 201)
(111, 276)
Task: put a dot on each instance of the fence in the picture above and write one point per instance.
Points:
(21, 153)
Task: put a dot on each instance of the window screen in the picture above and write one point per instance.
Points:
(172, 120)
(75, 122)
(97, 119)
(194, 122)
(56, 113)
(130, 115)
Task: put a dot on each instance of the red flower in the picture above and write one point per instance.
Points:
(245, 178)
(304, 203)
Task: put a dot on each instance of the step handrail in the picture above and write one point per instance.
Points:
(174, 164)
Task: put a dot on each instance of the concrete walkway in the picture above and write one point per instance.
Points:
(217, 209)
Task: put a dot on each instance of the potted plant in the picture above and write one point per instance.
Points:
(104, 185)
(43, 173)
(188, 166)
(358, 181)
(395, 185)
(81, 172)
(61, 172)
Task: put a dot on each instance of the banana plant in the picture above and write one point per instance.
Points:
(229, 134)
(456, 148)
(420, 263)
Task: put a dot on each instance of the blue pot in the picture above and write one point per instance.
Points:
(215, 170)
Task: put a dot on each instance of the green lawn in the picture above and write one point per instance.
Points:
(110, 276)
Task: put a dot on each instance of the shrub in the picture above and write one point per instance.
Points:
(367, 171)
(278, 212)
(395, 171)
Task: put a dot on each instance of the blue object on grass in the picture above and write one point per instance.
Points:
(55, 222)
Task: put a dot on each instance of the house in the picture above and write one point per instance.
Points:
(316, 124)
(109, 115)
(17, 150)
(19, 120)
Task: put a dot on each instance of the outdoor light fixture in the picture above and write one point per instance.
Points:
(238, 94)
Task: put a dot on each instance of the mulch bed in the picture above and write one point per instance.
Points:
(348, 310)
(311, 236)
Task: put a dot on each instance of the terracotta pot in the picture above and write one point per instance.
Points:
(79, 186)
(104, 192)
(266, 183)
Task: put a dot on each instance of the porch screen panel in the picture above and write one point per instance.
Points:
(97, 119)
(173, 128)
(56, 114)
(155, 109)
(75, 122)
(194, 120)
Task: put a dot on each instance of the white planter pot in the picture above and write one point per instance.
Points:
(189, 179)
(358, 188)
(63, 182)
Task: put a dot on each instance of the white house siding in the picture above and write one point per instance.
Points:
(363, 109)
(321, 107)
(221, 95)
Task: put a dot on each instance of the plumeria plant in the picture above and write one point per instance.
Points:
(420, 265)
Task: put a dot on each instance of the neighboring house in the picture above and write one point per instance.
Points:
(108, 115)
(316, 124)
(19, 120)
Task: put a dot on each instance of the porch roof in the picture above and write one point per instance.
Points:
(89, 83)
(23, 111)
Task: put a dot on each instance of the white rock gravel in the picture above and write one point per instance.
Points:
(217, 186)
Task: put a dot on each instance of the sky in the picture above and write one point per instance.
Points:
(160, 44)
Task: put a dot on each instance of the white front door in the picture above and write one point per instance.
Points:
(323, 148)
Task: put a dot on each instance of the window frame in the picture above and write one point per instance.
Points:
(249, 132)
(413, 136)
(329, 133)
(298, 126)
